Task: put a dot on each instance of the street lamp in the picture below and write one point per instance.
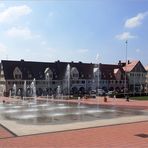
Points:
(98, 72)
(125, 84)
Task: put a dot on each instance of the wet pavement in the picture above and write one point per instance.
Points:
(52, 113)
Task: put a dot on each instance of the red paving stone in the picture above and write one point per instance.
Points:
(105, 137)
(116, 136)
(5, 133)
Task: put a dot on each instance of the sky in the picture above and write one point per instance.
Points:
(74, 30)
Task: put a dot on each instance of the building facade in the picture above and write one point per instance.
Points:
(136, 74)
(146, 80)
(2, 81)
(70, 77)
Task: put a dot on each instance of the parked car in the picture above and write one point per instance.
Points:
(111, 93)
(93, 93)
(100, 92)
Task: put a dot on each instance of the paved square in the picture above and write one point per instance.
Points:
(121, 132)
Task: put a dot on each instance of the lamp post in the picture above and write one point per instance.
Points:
(125, 84)
(98, 72)
(146, 88)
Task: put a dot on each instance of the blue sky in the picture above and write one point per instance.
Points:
(75, 30)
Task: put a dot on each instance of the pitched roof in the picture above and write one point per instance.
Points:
(108, 71)
(129, 66)
(146, 68)
(37, 69)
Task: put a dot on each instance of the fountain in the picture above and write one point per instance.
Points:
(67, 80)
(79, 101)
(57, 113)
(24, 91)
(10, 93)
(14, 90)
(58, 92)
(52, 113)
(33, 89)
(48, 86)
(2, 89)
(19, 92)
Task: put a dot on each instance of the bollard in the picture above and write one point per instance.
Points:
(105, 99)
(127, 99)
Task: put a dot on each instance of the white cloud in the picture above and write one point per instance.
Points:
(135, 21)
(125, 36)
(20, 32)
(13, 13)
(3, 48)
(82, 50)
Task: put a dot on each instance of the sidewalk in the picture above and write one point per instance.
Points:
(117, 136)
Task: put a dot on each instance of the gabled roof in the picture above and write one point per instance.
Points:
(134, 66)
(37, 69)
(130, 66)
(146, 68)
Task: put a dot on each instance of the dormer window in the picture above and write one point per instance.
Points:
(96, 72)
(74, 73)
(48, 74)
(17, 74)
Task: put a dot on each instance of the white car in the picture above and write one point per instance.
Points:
(100, 92)
(93, 93)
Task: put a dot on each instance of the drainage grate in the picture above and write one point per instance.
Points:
(142, 135)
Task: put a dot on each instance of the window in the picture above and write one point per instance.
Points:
(82, 76)
(75, 73)
(17, 74)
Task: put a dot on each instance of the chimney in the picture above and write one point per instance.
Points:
(119, 63)
(128, 62)
(22, 60)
